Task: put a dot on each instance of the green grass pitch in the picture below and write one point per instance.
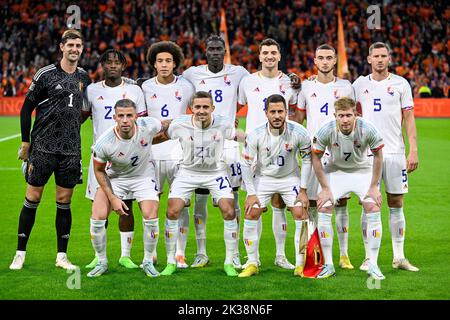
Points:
(427, 243)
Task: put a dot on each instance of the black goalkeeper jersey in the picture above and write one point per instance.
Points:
(58, 98)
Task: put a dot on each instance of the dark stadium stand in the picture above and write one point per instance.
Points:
(31, 29)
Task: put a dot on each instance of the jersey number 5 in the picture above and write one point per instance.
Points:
(377, 104)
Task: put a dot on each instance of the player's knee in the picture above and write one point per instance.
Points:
(173, 213)
(227, 208)
(370, 207)
(34, 194)
(395, 200)
(254, 214)
(299, 213)
(63, 197)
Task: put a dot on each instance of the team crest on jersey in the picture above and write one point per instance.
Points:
(178, 95)
(288, 147)
(282, 90)
(390, 90)
(120, 155)
(336, 145)
(366, 91)
(314, 95)
(202, 82)
(357, 144)
(256, 89)
(227, 81)
(216, 137)
(154, 96)
(100, 98)
(336, 94)
(143, 142)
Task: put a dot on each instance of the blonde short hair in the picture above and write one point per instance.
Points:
(345, 103)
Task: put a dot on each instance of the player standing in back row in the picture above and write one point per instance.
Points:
(254, 90)
(316, 104)
(102, 96)
(57, 93)
(167, 97)
(386, 100)
(222, 82)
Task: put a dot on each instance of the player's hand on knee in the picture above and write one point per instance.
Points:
(373, 195)
(302, 199)
(325, 199)
(119, 206)
(250, 202)
(24, 151)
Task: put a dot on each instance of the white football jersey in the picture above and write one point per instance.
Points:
(276, 155)
(202, 148)
(382, 103)
(101, 101)
(348, 153)
(165, 102)
(317, 100)
(254, 90)
(128, 158)
(223, 86)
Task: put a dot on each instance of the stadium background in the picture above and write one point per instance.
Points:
(417, 32)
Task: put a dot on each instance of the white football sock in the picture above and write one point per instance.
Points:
(171, 236)
(374, 233)
(126, 242)
(397, 226)
(237, 211)
(364, 233)
(151, 236)
(312, 221)
(98, 239)
(230, 237)
(183, 229)
(279, 227)
(342, 229)
(259, 228)
(325, 229)
(200, 216)
(251, 240)
(299, 258)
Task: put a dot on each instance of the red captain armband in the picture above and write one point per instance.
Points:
(142, 114)
(97, 161)
(317, 151)
(377, 149)
(247, 157)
